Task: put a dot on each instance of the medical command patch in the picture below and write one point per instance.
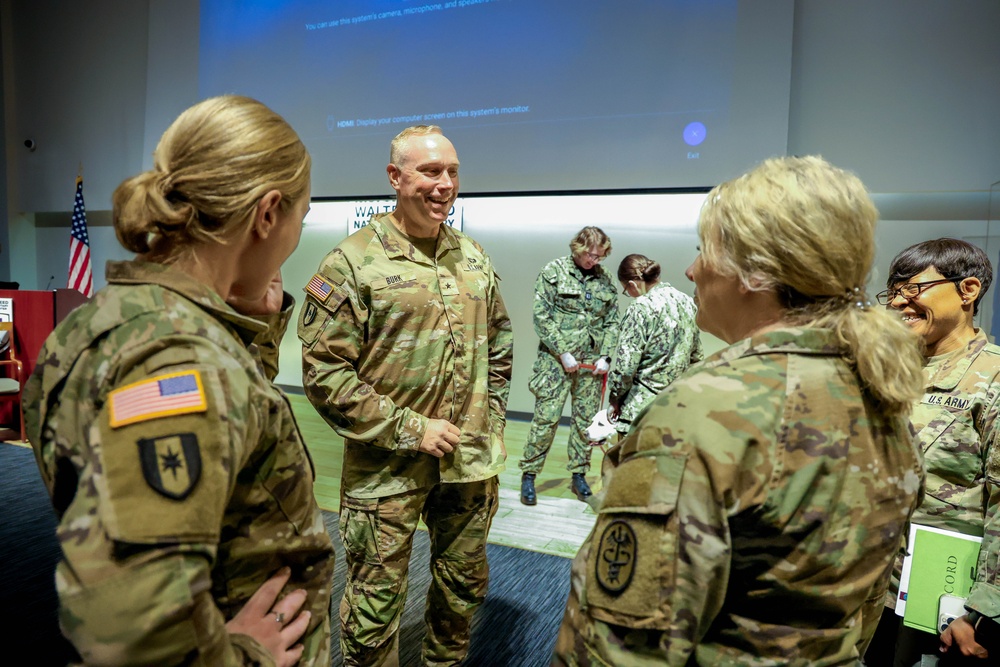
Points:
(616, 557)
(161, 396)
(171, 464)
(320, 288)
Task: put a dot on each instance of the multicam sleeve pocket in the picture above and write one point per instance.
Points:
(631, 567)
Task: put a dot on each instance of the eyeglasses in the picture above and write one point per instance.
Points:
(593, 257)
(910, 290)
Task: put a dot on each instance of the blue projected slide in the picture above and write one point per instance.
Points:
(536, 94)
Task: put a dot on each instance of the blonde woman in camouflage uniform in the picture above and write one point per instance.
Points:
(407, 353)
(657, 340)
(183, 489)
(758, 502)
(937, 286)
(575, 313)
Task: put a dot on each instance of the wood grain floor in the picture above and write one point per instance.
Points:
(557, 525)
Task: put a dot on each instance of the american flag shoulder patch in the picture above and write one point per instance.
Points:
(320, 288)
(161, 396)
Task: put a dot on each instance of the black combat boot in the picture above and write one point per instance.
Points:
(580, 486)
(528, 488)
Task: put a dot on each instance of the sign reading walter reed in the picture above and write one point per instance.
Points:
(360, 212)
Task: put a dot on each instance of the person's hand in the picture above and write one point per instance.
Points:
(602, 366)
(268, 304)
(276, 624)
(614, 411)
(961, 634)
(569, 362)
(440, 438)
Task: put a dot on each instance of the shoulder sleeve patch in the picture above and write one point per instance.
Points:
(320, 288)
(171, 464)
(161, 396)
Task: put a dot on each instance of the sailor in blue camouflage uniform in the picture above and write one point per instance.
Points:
(936, 287)
(576, 316)
(657, 341)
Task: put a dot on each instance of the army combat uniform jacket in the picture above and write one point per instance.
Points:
(657, 341)
(177, 472)
(392, 339)
(574, 312)
(756, 504)
(956, 426)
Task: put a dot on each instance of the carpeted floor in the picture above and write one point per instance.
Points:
(515, 627)
(28, 555)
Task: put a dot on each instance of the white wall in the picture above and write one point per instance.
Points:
(522, 234)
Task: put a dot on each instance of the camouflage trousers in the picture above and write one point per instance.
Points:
(378, 536)
(551, 385)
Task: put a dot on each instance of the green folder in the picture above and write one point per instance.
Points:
(940, 563)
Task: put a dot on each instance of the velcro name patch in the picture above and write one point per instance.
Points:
(947, 401)
(161, 396)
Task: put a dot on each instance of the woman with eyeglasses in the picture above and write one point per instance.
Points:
(576, 316)
(936, 287)
(657, 340)
(758, 502)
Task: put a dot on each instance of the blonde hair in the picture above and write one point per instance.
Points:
(805, 230)
(211, 168)
(397, 149)
(587, 238)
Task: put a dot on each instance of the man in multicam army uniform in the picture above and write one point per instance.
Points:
(937, 286)
(407, 353)
(657, 341)
(758, 501)
(187, 521)
(575, 314)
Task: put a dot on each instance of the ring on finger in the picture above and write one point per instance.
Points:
(278, 616)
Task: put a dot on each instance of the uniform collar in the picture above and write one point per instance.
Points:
(393, 242)
(788, 340)
(946, 374)
(137, 272)
(574, 269)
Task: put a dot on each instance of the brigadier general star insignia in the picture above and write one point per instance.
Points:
(171, 464)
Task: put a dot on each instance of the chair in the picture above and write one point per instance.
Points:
(12, 383)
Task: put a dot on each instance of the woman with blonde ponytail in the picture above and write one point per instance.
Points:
(188, 525)
(756, 505)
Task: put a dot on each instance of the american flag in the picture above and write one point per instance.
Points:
(81, 276)
(161, 396)
(319, 288)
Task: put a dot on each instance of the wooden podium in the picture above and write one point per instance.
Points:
(35, 315)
